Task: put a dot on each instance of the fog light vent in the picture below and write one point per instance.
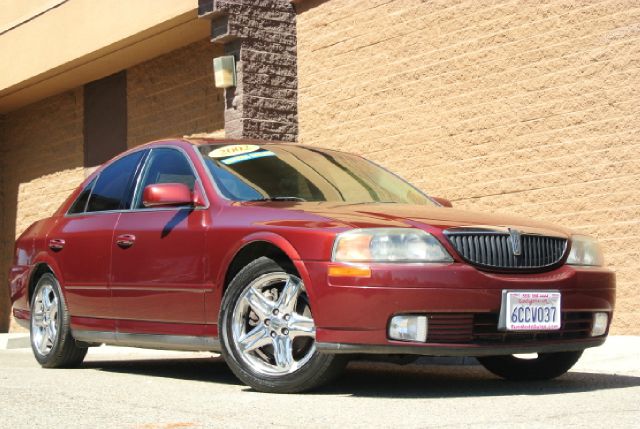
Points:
(408, 328)
(600, 322)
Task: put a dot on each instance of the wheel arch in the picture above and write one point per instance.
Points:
(258, 245)
(43, 263)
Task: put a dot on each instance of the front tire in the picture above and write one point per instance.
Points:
(51, 340)
(268, 331)
(544, 367)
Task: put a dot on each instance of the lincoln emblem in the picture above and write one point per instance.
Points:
(516, 241)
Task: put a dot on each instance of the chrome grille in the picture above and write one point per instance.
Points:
(494, 250)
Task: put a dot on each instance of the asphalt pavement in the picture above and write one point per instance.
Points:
(131, 388)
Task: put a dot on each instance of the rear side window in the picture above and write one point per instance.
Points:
(114, 186)
(166, 166)
(80, 204)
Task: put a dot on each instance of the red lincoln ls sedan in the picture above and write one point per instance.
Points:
(289, 260)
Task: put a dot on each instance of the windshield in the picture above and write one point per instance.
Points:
(245, 172)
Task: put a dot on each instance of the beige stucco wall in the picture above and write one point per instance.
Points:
(82, 40)
(13, 12)
(518, 107)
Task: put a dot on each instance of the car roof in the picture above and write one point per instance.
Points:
(224, 141)
(201, 141)
(186, 142)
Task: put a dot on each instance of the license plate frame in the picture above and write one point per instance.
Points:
(533, 300)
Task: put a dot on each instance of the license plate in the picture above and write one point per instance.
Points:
(530, 311)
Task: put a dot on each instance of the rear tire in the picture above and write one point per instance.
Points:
(268, 333)
(545, 367)
(51, 340)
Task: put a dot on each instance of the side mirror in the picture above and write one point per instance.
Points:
(167, 194)
(442, 201)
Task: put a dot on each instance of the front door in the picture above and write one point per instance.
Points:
(158, 254)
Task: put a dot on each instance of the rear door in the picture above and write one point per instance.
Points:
(81, 240)
(158, 262)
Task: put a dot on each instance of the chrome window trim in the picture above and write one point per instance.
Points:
(203, 163)
(139, 169)
(118, 159)
(86, 203)
(97, 177)
(137, 184)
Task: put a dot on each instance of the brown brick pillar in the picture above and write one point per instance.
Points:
(261, 34)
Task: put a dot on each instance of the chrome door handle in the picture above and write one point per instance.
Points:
(56, 244)
(125, 240)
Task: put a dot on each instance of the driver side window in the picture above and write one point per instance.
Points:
(165, 166)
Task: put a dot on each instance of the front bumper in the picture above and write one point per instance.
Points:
(352, 314)
(460, 349)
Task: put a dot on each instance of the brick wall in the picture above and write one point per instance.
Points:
(41, 145)
(174, 95)
(261, 35)
(41, 164)
(500, 106)
(4, 291)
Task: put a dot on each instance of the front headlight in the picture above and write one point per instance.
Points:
(388, 245)
(585, 251)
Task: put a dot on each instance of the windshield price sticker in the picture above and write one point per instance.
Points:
(532, 311)
(234, 149)
(246, 157)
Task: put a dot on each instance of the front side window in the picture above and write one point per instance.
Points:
(113, 189)
(165, 166)
(297, 173)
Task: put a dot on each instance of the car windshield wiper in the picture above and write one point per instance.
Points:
(277, 199)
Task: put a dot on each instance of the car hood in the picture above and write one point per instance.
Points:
(403, 215)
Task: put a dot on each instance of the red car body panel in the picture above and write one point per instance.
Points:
(171, 280)
(84, 261)
(166, 265)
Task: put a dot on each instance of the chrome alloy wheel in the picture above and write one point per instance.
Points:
(272, 327)
(44, 319)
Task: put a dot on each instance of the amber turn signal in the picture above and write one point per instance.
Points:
(349, 271)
